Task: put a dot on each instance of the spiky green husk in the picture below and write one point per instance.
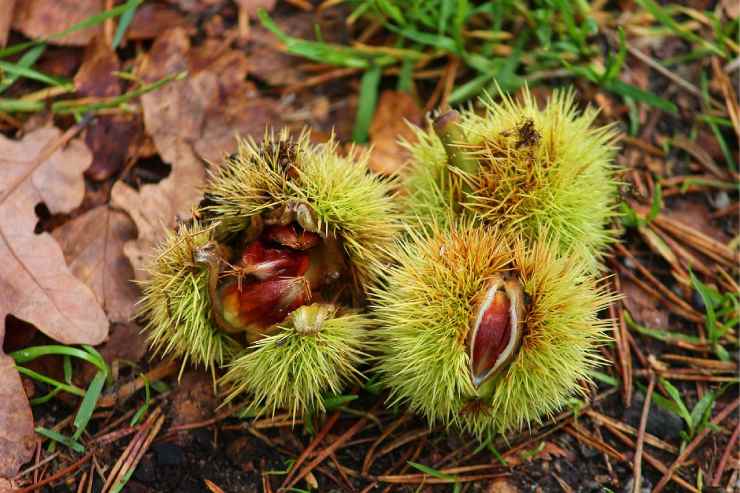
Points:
(425, 313)
(294, 371)
(348, 201)
(560, 179)
(176, 303)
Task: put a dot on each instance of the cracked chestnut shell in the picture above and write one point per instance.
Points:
(497, 328)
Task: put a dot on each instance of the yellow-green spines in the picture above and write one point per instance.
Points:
(533, 169)
(348, 201)
(176, 303)
(296, 369)
(425, 314)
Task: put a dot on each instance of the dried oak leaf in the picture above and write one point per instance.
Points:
(209, 108)
(42, 18)
(158, 207)
(110, 136)
(152, 19)
(6, 18)
(93, 247)
(17, 437)
(95, 76)
(35, 283)
(396, 110)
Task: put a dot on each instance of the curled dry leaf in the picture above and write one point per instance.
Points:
(35, 283)
(391, 123)
(42, 18)
(93, 247)
(17, 438)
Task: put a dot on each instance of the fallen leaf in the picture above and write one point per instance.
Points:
(643, 308)
(190, 121)
(501, 486)
(199, 6)
(93, 248)
(111, 138)
(35, 283)
(6, 18)
(268, 60)
(152, 19)
(396, 110)
(17, 438)
(252, 6)
(732, 8)
(696, 215)
(158, 207)
(193, 400)
(209, 108)
(96, 74)
(42, 18)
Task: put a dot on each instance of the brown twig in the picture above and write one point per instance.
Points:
(58, 475)
(695, 443)
(325, 453)
(370, 456)
(328, 425)
(637, 469)
(726, 455)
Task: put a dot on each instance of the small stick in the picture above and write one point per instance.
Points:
(726, 455)
(641, 436)
(695, 443)
(325, 453)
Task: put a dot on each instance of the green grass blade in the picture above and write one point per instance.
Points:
(674, 394)
(29, 73)
(368, 98)
(58, 437)
(431, 471)
(27, 61)
(664, 18)
(88, 403)
(123, 23)
(31, 353)
(623, 89)
(91, 21)
(70, 389)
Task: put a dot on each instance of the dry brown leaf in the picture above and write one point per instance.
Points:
(93, 247)
(17, 438)
(391, 123)
(209, 108)
(158, 207)
(96, 74)
(6, 18)
(643, 308)
(252, 6)
(189, 121)
(732, 8)
(268, 60)
(110, 136)
(152, 19)
(501, 485)
(42, 18)
(198, 6)
(35, 283)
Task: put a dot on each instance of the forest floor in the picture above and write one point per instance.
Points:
(111, 112)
